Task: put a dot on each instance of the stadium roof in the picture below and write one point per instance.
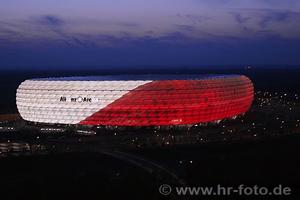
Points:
(137, 77)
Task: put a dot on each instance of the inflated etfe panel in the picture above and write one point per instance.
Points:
(134, 100)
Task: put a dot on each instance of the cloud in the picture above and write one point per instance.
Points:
(270, 17)
(211, 26)
(240, 18)
(127, 24)
(193, 18)
(50, 20)
(185, 27)
(268, 23)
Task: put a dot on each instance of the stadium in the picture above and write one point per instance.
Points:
(134, 100)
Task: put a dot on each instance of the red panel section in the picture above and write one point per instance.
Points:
(174, 102)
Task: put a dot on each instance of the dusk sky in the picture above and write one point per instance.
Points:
(68, 34)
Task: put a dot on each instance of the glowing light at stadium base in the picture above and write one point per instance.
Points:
(134, 102)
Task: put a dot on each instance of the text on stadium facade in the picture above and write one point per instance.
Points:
(77, 99)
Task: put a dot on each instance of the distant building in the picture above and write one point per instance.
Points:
(134, 100)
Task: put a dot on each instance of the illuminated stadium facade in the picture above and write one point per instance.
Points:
(134, 100)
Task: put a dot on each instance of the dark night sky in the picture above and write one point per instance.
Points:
(69, 34)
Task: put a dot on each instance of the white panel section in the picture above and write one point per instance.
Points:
(68, 102)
